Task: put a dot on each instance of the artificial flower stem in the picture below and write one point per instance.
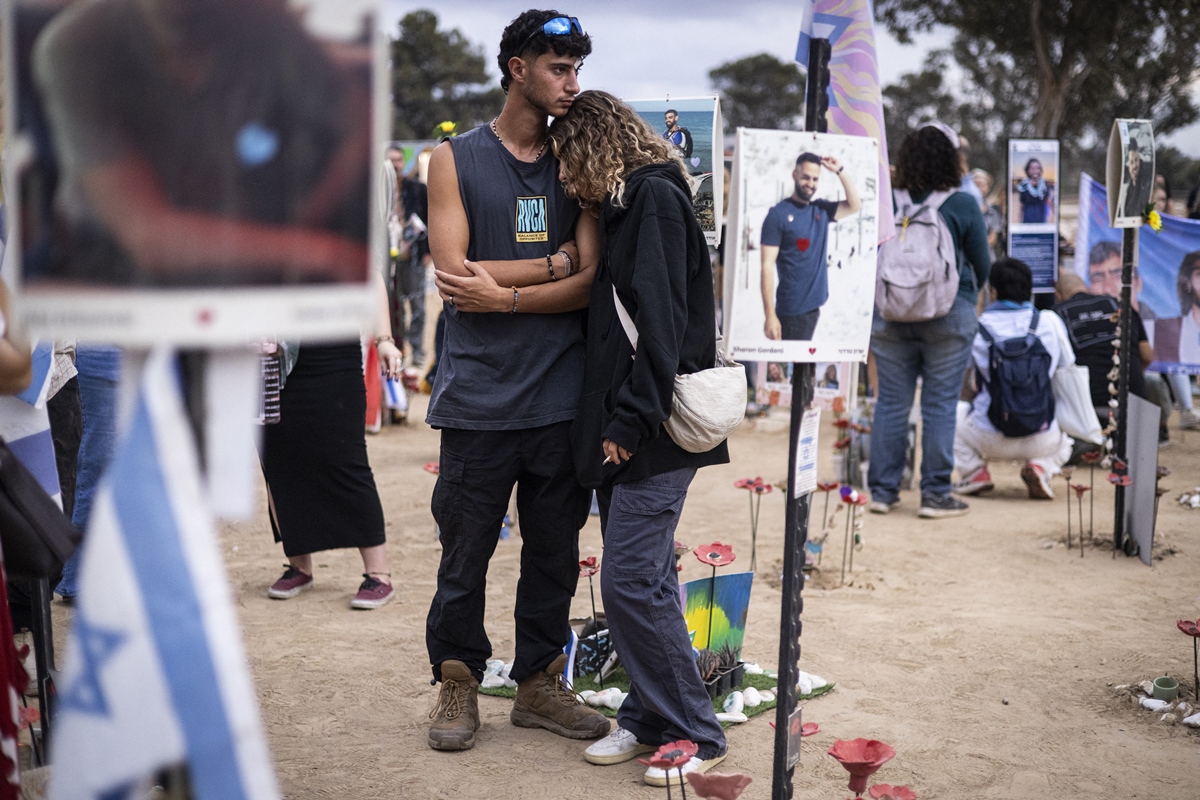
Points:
(1196, 666)
(825, 514)
(753, 528)
(846, 542)
(595, 619)
(712, 596)
(853, 534)
(1079, 497)
(1091, 506)
(682, 791)
(1069, 512)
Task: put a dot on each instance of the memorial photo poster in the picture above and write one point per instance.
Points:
(196, 177)
(1033, 208)
(1166, 276)
(773, 384)
(693, 126)
(802, 248)
(1130, 170)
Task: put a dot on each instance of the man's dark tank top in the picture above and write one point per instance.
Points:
(501, 371)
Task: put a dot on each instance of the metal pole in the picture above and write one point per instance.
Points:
(787, 729)
(1128, 247)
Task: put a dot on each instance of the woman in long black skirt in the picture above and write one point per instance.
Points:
(320, 488)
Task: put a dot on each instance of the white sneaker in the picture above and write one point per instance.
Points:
(619, 746)
(661, 777)
(879, 507)
(1189, 419)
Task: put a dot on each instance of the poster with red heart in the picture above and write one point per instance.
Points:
(800, 256)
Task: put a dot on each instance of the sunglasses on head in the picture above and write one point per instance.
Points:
(558, 26)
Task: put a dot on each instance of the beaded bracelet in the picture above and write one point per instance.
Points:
(550, 266)
(515, 297)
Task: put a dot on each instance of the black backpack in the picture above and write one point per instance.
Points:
(1022, 396)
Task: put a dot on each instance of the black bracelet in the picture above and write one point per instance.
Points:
(567, 260)
(514, 308)
(550, 266)
(840, 170)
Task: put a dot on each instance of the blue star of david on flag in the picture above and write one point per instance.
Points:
(96, 646)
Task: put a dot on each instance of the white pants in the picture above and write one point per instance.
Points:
(974, 445)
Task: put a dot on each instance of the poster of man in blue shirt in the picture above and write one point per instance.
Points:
(794, 237)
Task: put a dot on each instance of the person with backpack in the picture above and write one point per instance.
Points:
(1016, 353)
(929, 275)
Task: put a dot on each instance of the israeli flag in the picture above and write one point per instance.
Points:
(43, 365)
(155, 672)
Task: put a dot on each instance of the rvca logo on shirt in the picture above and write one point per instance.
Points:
(532, 220)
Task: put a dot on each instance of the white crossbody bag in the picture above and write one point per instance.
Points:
(707, 405)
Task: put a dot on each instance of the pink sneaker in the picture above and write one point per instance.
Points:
(1039, 485)
(977, 482)
(290, 584)
(372, 594)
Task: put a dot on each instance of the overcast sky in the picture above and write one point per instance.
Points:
(645, 49)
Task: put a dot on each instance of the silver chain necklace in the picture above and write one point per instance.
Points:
(496, 133)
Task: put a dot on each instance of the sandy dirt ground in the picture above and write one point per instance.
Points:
(978, 647)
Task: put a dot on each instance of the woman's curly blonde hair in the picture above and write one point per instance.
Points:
(599, 142)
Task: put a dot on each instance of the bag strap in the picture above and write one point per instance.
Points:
(1033, 323)
(626, 322)
(631, 332)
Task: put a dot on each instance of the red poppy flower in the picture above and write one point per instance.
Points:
(1093, 457)
(841, 424)
(748, 483)
(671, 755)
(849, 494)
(809, 729)
(1080, 491)
(861, 758)
(588, 567)
(715, 554)
(884, 791)
(762, 488)
(841, 444)
(717, 786)
(433, 467)
(828, 487)
(1191, 628)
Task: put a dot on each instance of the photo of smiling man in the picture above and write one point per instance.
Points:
(794, 237)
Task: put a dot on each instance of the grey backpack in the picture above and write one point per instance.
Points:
(917, 275)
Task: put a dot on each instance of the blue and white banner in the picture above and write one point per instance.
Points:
(1165, 279)
(156, 674)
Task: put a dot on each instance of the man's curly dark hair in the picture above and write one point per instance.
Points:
(525, 33)
(927, 162)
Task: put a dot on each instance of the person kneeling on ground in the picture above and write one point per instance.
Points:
(1009, 419)
(1091, 321)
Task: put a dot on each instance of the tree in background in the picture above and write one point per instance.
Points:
(760, 92)
(1050, 69)
(438, 76)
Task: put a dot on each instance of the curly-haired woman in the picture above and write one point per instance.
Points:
(656, 260)
(936, 351)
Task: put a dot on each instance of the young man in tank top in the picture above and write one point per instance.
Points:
(514, 260)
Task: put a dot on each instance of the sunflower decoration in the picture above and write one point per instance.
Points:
(1152, 218)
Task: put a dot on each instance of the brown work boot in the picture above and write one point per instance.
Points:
(545, 701)
(456, 715)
